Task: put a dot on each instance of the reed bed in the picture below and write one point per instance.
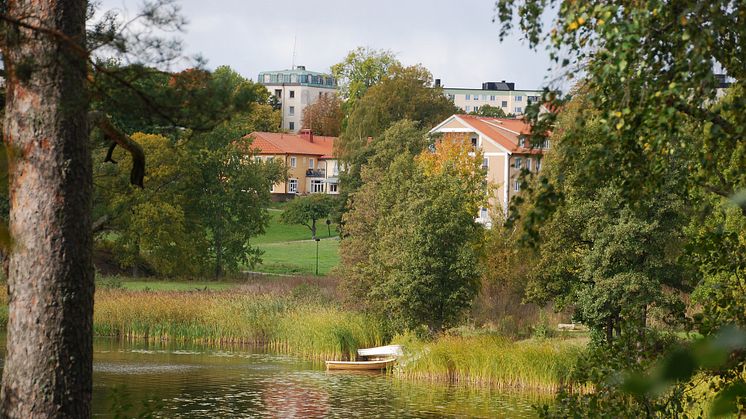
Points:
(489, 360)
(302, 327)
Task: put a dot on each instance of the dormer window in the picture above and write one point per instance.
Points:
(474, 141)
(522, 142)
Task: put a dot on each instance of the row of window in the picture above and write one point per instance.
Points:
(302, 78)
(493, 98)
(317, 186)
(519, 163)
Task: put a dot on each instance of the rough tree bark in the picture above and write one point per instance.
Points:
(48, 367)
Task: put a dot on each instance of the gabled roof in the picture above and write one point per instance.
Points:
(504, 132)
(280, 143)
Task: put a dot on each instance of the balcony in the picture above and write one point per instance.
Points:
(316, 173)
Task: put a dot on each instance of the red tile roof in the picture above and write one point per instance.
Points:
(279, 143)
(504, 131)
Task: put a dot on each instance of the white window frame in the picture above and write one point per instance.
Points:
(518, 109)
(538, 165)
(528, 164)
(291, 126)
(291, 110)
(293, 185)
(310, 163)
(519, 98)
(257, 159)
(317, 186)
(516, 185)
(486, 163)
(292, 94)
(293, 161)
(468, 97)
(518, 163)
(333, 187)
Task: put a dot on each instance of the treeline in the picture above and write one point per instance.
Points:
(204, 195)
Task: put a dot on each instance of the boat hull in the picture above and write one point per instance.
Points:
(360, 365)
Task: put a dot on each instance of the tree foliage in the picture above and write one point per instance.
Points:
(489, 111)
(411, 253)
(361, 69)
(306, 210)
(324, 117)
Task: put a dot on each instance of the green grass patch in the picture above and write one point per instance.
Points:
(299, 257)
(491, 360)
(279, 232)
(285, 324)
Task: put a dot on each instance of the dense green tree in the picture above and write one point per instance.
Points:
(403, 93)
(307, 210)
(232, 191)
(362, 68)
(490, 111)
(411, 253)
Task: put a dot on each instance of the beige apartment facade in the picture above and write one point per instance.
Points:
(506, 151)
(500, 94)
(309, 159)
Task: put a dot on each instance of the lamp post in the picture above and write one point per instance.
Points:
(329, 226)
(317, 240)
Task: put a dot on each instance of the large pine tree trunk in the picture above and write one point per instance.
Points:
(48, 367)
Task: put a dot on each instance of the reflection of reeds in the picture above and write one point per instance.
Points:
(488, 360)
(292, 325)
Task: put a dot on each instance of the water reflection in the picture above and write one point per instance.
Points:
(192, 381)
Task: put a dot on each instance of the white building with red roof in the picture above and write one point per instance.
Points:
(506, 149)
(312, 167)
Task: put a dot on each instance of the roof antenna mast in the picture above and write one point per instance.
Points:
(292, 64)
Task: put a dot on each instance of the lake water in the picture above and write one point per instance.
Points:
(193, 381)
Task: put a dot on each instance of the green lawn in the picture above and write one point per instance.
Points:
(299, 257)
(279, 232)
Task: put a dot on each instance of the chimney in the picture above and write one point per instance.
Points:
(306, 134)
(437, 82)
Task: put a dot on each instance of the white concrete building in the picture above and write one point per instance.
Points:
(296, 89)
(496, 94)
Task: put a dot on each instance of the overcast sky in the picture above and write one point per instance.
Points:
(455, 39)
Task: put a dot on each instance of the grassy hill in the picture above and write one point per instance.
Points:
(288, 249)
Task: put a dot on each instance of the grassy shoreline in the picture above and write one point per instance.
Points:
(299, 316)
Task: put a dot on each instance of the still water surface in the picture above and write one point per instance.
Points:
(193, 381)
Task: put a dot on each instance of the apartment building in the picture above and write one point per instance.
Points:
(506, 149)
(312, 167)
(294, 90)
(500, 94)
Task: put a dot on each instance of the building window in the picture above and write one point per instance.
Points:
(291, 126)
(521, 142)
(336, 168)
(317, 186)
(546, 144)
(291, 110)
(468, 97)
(468, 109)
(293, 162)
(483, 213)
(504, 104)
(293, 186)
(518, 163)
(538, 165)
(272, 188)
(492, 98)
(528, 164)
(258, 159)
(519, 98)
(333, 187)
(476, 109)
(516, 185)
(484, 97)
(292, 94)
(270, 158)
(474, 141)
(518, 109)
(310, 163)
(485, 163)
(278, 93)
